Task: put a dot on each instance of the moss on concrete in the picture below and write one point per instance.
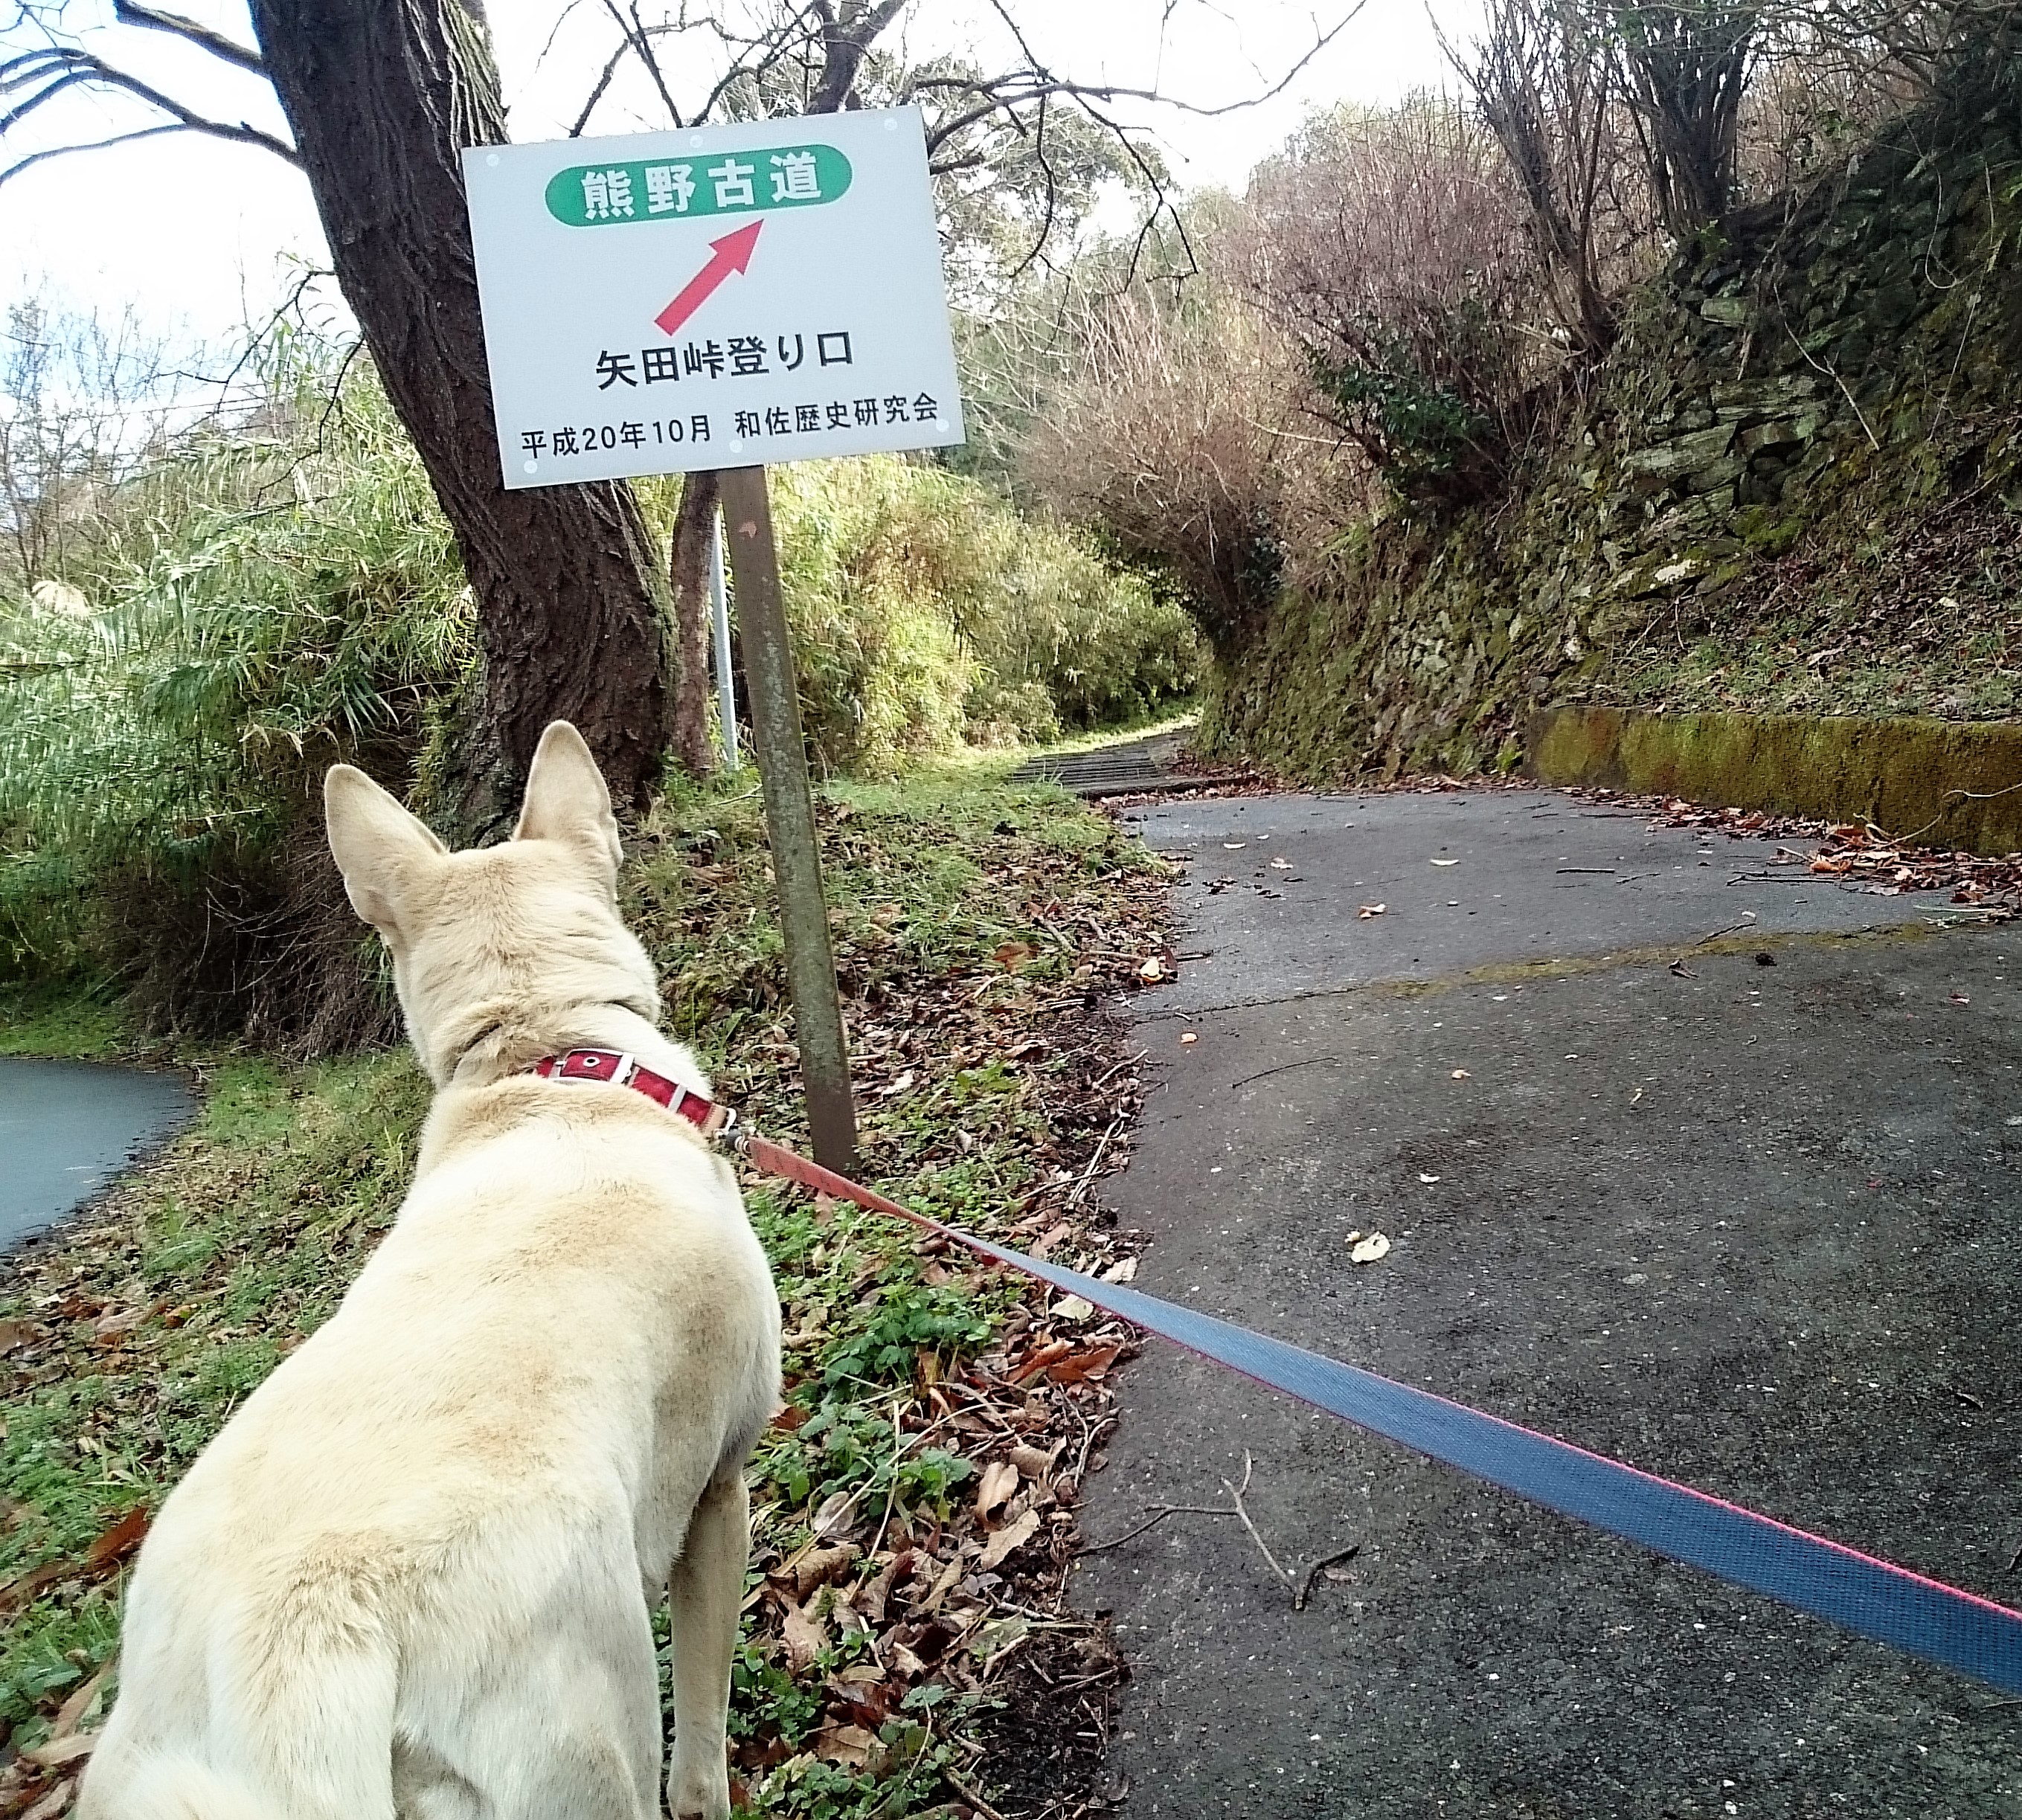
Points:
(1948, 784)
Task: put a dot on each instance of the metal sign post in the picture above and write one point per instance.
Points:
(719, 604)
(790, 813)
(724, 298)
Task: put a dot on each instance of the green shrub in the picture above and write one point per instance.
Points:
(926, 610)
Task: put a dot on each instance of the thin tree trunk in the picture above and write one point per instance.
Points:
(572, 605)
(689, 567)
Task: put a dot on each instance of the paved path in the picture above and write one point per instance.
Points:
(67, 1128)
(1754, 1225)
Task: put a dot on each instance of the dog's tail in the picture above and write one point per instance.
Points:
(179, 1788)
(311, 1737)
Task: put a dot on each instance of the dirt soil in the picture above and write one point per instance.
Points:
(1742, 1211)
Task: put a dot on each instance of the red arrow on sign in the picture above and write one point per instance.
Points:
(732, 253)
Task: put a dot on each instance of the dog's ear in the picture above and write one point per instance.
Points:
(567, 800)
(379, 847)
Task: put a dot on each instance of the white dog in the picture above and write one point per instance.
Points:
(413, 1577)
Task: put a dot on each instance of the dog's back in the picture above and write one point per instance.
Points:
(412, 1576)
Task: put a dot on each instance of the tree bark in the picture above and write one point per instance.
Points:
(572, 604)
(688, 572)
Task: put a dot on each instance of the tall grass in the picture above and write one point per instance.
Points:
(265, 596)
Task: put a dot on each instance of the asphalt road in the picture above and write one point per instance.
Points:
(1751, 1226)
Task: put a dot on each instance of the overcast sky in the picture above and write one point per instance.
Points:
(199, 234)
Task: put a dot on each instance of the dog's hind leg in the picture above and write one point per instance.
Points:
(570, 1727)
(703, 1590)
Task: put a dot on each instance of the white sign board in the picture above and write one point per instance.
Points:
(720, 297)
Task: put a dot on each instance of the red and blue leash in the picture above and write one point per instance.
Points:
(1875, 1597)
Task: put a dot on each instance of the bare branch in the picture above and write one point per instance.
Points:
(596, 93)
(61, 67)
(636, 35)
(845, 44)
(35, 158)
(240, 55)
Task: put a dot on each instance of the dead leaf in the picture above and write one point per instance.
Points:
(1077, 1366)
(70, 1715)
(1000, 1479)
(1151, 969)
(13, 1334)
(870, 1598)
(1375, 1246)
(1123, 1270)
(1044, 1356)
(1032, 1461)
(1462, 1075)
(1371, 910)
(837, 1512)
(902, 1084)
(1011, 1537)
(1072, 1308)
(806, 1637)
(945, 1583)
(817, 1566)
(1189, 1036)
(848, 1746)
(58, 1751)
(53, 1803)
(1013, 954)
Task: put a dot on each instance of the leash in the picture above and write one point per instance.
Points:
(1875, 1598)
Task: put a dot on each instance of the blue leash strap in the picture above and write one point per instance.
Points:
(1875, 1598)
(1893, 1606)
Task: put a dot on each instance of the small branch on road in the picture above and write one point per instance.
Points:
(1300, 1586)
(1747, 917)
(1286, 1068)
(1160, 1513)
(1235, 1492)
(1314, 1572)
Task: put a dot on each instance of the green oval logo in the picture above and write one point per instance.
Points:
(680, 189)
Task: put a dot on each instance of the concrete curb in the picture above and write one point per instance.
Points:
(1944, 783)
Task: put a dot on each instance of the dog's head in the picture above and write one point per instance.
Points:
(499, 939)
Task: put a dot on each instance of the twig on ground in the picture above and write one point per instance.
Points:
(1286, 1068)
(1102, 1080)
(1313, 1572)
(1095, 1161)
(970, 1795)
(1087, 1441)
(1160, 1513)
(1747, 917)
(1263, 1548)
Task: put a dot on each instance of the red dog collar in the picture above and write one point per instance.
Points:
(619, 1068)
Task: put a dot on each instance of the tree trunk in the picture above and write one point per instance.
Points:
(688, 570)
(572, 605)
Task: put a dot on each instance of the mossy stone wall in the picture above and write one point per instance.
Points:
(1828, 364)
